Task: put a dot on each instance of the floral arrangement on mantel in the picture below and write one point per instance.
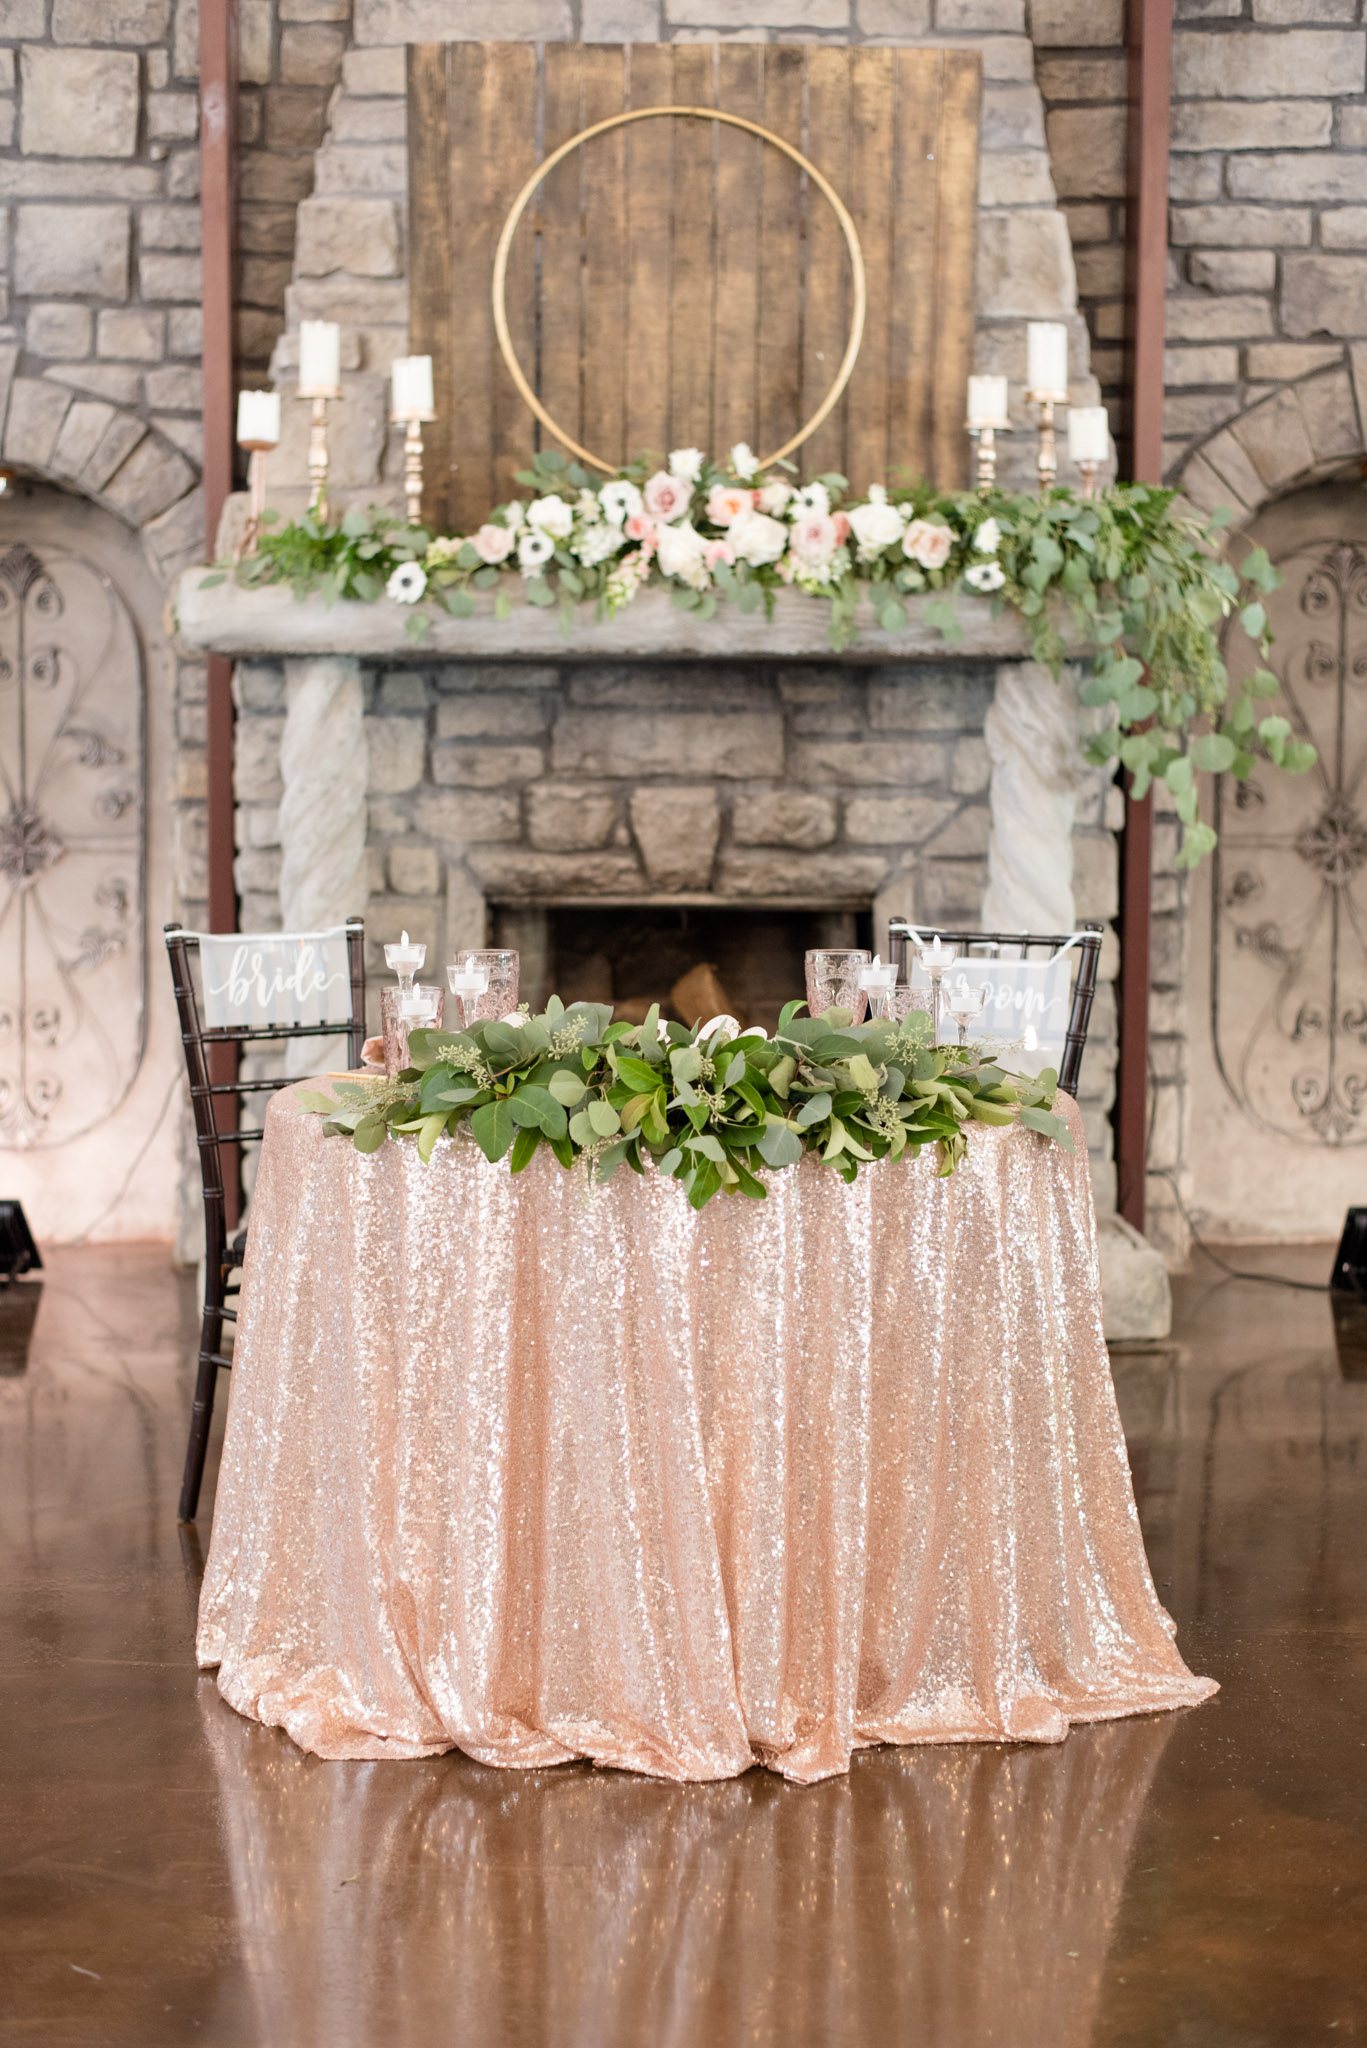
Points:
(1149, 590)
(712, 1110)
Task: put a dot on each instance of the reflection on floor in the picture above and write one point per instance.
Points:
(170, 1873)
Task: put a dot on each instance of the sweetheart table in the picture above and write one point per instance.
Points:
(542, 1473)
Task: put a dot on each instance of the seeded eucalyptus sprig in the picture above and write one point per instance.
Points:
(713, 1112)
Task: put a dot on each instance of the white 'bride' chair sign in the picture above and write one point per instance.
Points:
(262, 978)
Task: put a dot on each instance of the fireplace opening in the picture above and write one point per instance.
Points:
(694, 961)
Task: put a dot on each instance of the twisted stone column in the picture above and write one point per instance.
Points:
(1031, 732)
(324, 767)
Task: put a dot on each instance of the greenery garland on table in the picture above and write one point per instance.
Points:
(712, 1111)
(1148, 589)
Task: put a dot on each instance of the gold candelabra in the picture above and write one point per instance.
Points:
(412, 424)
(318, 396)
(257, 451)
(1046, 458)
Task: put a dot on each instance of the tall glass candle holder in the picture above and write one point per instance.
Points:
(937, 959)
(468, 981)
(406, 959)
(878, 983)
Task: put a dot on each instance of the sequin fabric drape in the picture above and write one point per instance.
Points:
(540, 1474)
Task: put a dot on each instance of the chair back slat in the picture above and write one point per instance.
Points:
(1086, 941)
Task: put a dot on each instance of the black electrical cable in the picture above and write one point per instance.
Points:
(1234, 1272)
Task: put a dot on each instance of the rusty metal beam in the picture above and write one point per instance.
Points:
(1149, 30)
(217, 126)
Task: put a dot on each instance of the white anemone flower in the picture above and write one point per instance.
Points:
(620, 501)
(533, 548)
(407, 584)
(811, 498)
(985, 576)
(686, 463)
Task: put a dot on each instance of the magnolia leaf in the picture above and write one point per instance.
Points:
(1051, 1126)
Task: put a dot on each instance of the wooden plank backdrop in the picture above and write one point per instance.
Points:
(678, 284)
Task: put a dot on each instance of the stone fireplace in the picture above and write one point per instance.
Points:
(658, 793)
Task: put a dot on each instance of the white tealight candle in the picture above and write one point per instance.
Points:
(258, 419)
(1089, 433)
(411, 387)
(878, 977)
(320, 357)
(1046, 359)
(405, 959)
(987, 403)
(469, 980)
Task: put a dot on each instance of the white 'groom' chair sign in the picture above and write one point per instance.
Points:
(1026, 1006)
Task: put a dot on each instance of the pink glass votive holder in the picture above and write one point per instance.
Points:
(396, 1026)
(833, 981)
(501, 967)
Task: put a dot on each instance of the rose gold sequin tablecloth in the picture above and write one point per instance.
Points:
(542, 1475)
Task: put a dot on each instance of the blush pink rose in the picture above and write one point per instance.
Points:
(726, 502)
(842, 528)
(493, 543)
(640, 526)
(718, 551)
(667, 497)
(927, 543)
(814, 537)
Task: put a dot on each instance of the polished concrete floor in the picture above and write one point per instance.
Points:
(171, 1874)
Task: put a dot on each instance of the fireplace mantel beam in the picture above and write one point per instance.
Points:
(226, 619)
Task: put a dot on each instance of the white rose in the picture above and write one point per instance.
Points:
(743, 461)
(596, 542)
(877, 524)
(757, 539)
(988, 538)
(774, 497)
(680, 553)
(552, 515)
(686, 463)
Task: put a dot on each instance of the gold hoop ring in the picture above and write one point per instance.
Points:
(823, 185)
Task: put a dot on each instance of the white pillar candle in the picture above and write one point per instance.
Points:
(258, 419)
(1046, 357)
(1089, 433)
(411, 384)
(320, 357)
(987, 403)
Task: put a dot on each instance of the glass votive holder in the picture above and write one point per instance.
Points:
(401, 1011)
(833, 981)
(965, 1005)
(901, 1003)
(405, 959)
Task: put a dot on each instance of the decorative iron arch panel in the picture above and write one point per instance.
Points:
(73, 951)
(1289, 916)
